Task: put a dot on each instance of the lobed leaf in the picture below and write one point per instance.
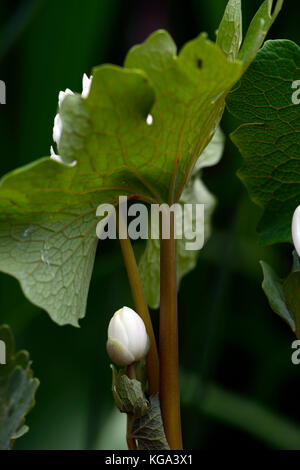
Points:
(48, 209)
(268, 139)
(148, 430)
(139, 134)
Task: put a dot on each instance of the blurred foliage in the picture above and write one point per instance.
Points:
(17, 391)
(229, 337)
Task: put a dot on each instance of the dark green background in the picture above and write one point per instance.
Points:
(240, 388)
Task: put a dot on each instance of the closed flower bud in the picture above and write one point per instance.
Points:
(296, 230)
(128, 341)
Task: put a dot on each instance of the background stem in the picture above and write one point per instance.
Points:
(168, 341)
(141, 307)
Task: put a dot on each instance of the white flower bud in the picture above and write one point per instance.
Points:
(128, 340)
(296, 229)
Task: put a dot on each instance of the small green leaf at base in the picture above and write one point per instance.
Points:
(128, 393)
(132, 396)
(148, 430)
(147, 426)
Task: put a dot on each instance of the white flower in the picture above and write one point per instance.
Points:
(58, 125)
(57, 129)
(149, 120)
(54, 156)
(128, 341)
(58, 158)
(296, 229)
(63, 94)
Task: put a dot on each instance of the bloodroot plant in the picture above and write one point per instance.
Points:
(144, 131)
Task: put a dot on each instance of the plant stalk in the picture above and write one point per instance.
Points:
(152, 361)
(168, 340)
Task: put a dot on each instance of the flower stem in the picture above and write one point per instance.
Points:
(141, 307)
(168, 341)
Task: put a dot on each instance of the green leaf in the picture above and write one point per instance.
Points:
(229, 36)
(284, 294)
(190, 91)
(258, 30)
(291, 288)
(212, 154)
(17, 391)
(115, 378)
(48, 209)
(132, 396)
(273, 288)
(129, 393)
(147, 427)
(195, 192)
(148, 430)
(109, 148)
(269, 136)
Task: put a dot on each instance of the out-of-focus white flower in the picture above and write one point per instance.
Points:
(63, 94)
(57, 129)
(54, 156)
(296, 230)
(128, 341)
(58, 158)
(86, 85)
(58, 125)
(149, 120)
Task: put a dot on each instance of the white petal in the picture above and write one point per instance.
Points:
(54, 156)
(86, 85)
(63, 94)
(57, 129)
(117, 330)
(296, 229)
(136, 332)
(59, 159)
(118, 354)
(127, 335)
